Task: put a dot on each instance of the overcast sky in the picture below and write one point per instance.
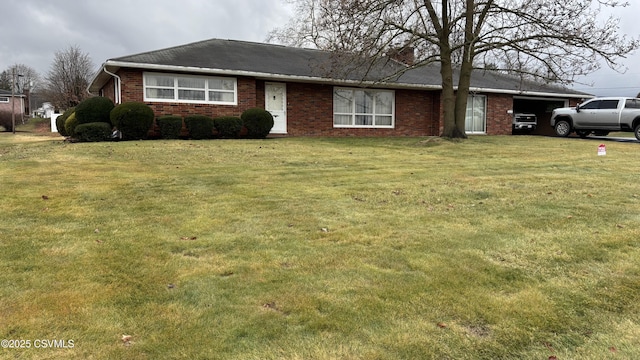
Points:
(33, 30)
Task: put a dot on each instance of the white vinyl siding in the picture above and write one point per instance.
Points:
(363, 108)
(190, 89)
(476, 117)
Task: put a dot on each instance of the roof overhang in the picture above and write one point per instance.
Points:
(101, 78)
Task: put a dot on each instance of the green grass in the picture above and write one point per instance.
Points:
(497, 247)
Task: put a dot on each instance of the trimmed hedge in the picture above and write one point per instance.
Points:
(170, 126)
(95, 109)
(93, 132)
(199, 126)
(60, 121)
(6, 120)
(133, 119)
(228, 126)
(258, 122)
(70, 125)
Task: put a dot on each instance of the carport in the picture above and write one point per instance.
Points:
(542, 108)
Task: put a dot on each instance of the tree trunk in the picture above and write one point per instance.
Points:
(466, 68)
(448, 96)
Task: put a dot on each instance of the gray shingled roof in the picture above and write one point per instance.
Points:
(7, 93)
(299, 64)
(236, 55)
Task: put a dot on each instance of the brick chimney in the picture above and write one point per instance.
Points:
(405, 54)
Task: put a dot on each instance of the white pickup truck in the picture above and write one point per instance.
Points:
(598, 116)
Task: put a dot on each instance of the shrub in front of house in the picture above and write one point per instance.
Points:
(133, 119)
(170, 126)
(60, 121)
(199, 126)
(258, 123)
(228, 126)
(6, 121)
(70, 125)
(95, 109)
(93, 132)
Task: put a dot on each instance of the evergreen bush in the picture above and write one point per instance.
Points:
(170, 126)
(258, 122)
(199, 126)
(93, 132)
(95, 109)
(70, 125)
(133, 119)
(228, 126)
(60, 121)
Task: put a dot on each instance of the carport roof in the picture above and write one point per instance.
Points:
(277, 62)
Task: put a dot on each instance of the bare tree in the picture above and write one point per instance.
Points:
(549, 40)
(27, 78)
(68, 77)
(5, 80)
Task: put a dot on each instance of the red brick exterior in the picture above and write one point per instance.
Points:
(15, 104)
(310, 108)
(310, 113)
(498, 120)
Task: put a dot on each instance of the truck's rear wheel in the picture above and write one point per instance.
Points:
(636, 131)
(563, 128)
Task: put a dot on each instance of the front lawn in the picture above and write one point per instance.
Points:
(497, 247)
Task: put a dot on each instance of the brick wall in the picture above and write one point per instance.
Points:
(310, 113)
(132, 90)
(15, 104)
(498, 120)
(108, 90)
(310, 108)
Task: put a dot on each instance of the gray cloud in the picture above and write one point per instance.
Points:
(33, 30)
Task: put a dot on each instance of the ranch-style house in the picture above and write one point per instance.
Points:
(307, 95)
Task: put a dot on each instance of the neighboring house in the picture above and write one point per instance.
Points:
(45, 111)
(305, 92)
(9, 103)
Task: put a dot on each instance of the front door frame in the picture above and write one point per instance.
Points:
(279, 117)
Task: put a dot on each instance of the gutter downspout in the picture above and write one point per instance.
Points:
(117, 85)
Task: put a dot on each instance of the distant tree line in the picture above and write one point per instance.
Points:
(64, 86)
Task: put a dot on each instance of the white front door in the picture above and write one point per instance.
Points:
(276, 104)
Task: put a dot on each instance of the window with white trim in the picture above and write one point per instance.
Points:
(4, 99)
(190, 89)
(363, 108)
(476, 117)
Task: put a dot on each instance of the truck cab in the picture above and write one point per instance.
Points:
(598, 116)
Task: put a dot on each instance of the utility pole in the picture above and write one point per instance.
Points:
(13, 100)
